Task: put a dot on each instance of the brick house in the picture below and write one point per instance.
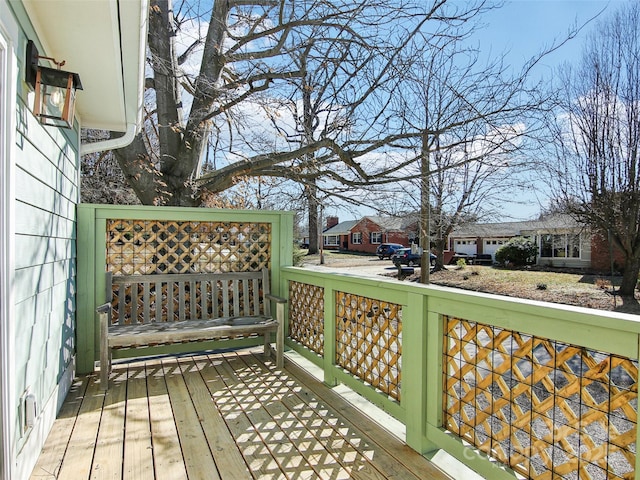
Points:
(366, 234)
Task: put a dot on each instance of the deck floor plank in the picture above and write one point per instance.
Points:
(111, 434)
(228, 460)
(50, 459)
(277, 431)
(167, 452)
(138, 449)
(198, 459)
(258, 458)
(404, 456)
(361, 455)
(76, 462)
(231, 414)
(336, 457)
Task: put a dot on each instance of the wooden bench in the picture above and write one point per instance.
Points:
(150, 310)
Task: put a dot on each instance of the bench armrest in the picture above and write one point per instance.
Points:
(275, 298)
(104, 308)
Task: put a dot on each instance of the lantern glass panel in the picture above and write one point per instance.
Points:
(56, 97)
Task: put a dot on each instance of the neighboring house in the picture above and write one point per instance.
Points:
(104, 42)
(366, 234)
(338, 236)
(561, 240)
(303, 236)
(484, 238)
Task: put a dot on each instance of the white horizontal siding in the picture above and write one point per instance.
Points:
(44, 287)
(37, 222)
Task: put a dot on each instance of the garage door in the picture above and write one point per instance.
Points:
(492, 244)
(465, 246)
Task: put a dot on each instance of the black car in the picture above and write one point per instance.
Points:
(405, 257)
(386, 250)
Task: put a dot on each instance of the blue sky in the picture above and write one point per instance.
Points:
(523, 28)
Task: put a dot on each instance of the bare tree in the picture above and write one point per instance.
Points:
(102, 180)
(246, 56)
(464, 124)
(596, 169)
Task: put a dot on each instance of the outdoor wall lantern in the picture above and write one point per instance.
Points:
(55, 90)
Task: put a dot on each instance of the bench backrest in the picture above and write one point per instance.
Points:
(189, 296)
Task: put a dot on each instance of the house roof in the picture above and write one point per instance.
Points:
(104, 41)
(389, 224)
(343, 228)
(512, 229)
(386, 224)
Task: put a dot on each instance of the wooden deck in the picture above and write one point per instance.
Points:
(223, 416)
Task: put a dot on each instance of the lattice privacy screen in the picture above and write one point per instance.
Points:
(155, 246)
(545, 408)
(369, 340)
(306, 315)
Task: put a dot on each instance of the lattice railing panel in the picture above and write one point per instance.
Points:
(160, 246)
(369, 340)
(545, 408)
(306, 315)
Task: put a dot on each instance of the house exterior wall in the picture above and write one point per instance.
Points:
(371, 235)
(44, 164)
(602, 255)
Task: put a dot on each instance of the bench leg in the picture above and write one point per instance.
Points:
(105, 352)
(280, 336)
(267, 344)
(279, 348)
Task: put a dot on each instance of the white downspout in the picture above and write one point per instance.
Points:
(112, 143)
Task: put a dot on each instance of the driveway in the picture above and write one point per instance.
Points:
(361, 265)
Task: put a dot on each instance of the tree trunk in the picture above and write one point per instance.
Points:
(440, 247)
(312, 203)
(630, 276)
(425, 210)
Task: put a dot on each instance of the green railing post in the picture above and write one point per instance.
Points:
(435, 386)
(414, 371)
(85, 297)
(328, 359)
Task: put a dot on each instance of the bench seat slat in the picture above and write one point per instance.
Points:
(188, 330)
(225, 299)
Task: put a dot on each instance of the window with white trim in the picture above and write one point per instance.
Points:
(356, 238)
(376, 237)
(331, 240)
(564, 245)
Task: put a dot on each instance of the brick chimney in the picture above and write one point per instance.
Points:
(332, 222)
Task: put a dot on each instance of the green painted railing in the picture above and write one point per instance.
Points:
(509, 387)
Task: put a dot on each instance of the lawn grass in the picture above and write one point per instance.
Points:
(570, 288)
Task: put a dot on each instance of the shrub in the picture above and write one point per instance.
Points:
(298, 255)
(518, 251)
(461, 263)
